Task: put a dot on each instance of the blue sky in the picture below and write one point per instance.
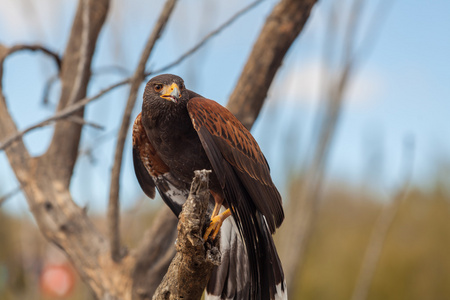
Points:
(400, 90)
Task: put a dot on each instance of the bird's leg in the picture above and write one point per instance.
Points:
(216, 223)
(216, 219)
(216, 210)
(218, 203)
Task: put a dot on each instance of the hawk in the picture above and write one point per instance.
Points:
(178, 132)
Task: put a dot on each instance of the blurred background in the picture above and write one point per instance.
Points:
(356, 124)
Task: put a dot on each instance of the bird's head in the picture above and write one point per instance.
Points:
(166, 87)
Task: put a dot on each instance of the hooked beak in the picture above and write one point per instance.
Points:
(171, 93)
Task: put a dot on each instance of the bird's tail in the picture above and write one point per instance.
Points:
(233, 279)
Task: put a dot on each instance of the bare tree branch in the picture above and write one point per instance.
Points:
(63, 149)
(9, 195)
(82, 121)
(285, 23)
(83, 66)
(47, 88)
(17, 153)
(60, 220)
(382, 226)
(191, 268)
(50, 53)
(113, 205)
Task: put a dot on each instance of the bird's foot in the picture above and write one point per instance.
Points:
(213, 228)
(216, 223)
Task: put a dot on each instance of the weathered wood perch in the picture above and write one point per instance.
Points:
(194, 261)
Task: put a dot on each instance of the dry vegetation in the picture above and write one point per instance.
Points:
(414, 262)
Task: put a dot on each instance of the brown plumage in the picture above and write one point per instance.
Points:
(179, 132)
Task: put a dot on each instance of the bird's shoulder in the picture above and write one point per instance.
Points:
(222, 124)
(145, 151)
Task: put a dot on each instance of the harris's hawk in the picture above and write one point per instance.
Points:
(178, 132)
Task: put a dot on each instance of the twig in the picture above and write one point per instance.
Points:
(47, 88)
(88, 150)
(81, 121)
(9, 195)
(191, 267)
(17, 48)
(50, 53)
(109, 69)
(113, 205)
(84, 49)
(382, 226)
(206, 39)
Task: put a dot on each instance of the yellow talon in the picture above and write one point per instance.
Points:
(214, 227)
(216, 223)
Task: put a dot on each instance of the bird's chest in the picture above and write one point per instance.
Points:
(178, 145)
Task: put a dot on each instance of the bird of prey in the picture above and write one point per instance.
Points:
(178, 132)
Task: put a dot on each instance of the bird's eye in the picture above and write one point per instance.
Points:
(182, 87)
(158, 87)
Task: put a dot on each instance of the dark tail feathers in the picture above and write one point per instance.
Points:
(232, 279)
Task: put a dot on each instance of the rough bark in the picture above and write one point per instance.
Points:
(191, 267)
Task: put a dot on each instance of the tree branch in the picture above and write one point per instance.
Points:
(191, 268)
(9, 195)
(75, 74)
(18, 155)
(382, 226)
(282, 26)
(83, 65)
(50, 53)
(60, 220)
(113, 205)
(47, 88)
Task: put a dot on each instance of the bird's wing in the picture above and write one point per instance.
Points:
(225, 139)
(152, 172)
(255, 203)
